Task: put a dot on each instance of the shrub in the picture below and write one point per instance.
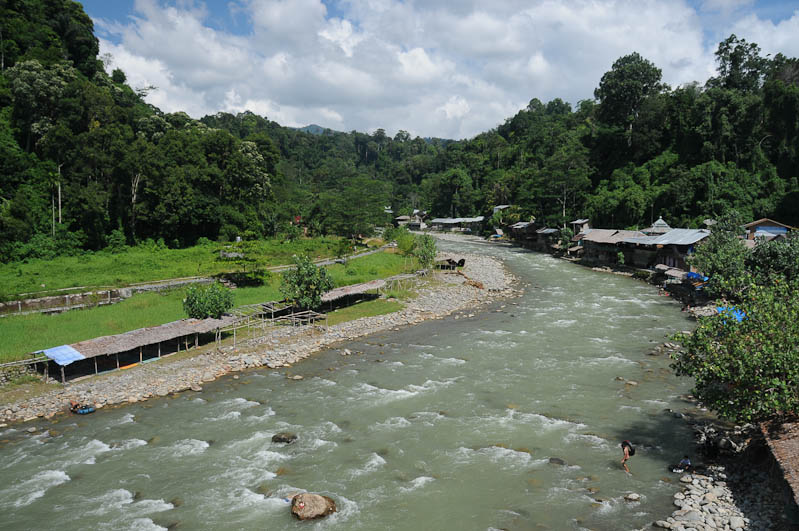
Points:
(117, 242)
(210, 301)
(747, 370)
(305, 284)
(424, 250)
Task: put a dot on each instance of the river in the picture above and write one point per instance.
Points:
(449, 424)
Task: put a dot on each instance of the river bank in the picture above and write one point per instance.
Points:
(439, 295)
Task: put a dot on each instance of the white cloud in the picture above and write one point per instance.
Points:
(772, 38)
(431, 67)
(456, 107)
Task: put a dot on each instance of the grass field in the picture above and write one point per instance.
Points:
(24, 334)
(363, 309)
(143, 264)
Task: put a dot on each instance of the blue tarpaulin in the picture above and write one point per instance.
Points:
(63, 355)
(736, 314)
(695, 276)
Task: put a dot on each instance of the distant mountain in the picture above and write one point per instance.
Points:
(316, 129)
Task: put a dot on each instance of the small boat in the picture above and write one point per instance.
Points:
(83, 410)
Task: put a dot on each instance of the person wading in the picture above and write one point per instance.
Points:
(629, 451)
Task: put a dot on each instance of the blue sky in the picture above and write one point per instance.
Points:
(431, 67)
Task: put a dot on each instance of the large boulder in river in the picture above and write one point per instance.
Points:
(284, 437)
(308, 506)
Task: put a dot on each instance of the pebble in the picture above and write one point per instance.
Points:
(707, 501)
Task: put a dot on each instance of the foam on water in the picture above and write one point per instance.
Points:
(243, 402)
(416, 483)
(268, 412)
(243, 498)
(605, 360)
(123, 501)
(374, 462)
(505, 457)
(127, 418)
(186, 447)
(541, 421)
(392, 423)
(496, 332)
(563, 323)
(230, 415)
(128, 444)
(593, 440)
(86, 454)
(30, 490)
(379, 394)
(145, 524)
(324, 381)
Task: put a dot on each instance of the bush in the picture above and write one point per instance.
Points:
(424, 250)
(210, 301)
(117, 242)
(305, 284)
(747, 370)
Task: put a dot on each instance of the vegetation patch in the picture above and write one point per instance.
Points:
(363, 309)
(146, 263)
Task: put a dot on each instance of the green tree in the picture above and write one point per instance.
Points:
(747, 370)
(210, 301)
(424, 249)
(722, 257)
(739, 64)
(623, 89)
(305, 283)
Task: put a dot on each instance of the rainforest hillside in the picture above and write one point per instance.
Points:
(86, 163)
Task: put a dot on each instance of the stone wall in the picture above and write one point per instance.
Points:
(12, 373)
(60, 302)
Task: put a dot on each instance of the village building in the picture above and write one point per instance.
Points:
(658, 227)
(580, 225)
(764, 230)
(670, 249)
(602, 246)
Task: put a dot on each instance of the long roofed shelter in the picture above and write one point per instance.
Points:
(130, 348)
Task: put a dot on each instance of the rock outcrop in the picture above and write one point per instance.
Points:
(308, 506)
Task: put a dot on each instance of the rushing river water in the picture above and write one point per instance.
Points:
(450, 424)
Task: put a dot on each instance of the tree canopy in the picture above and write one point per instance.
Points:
(83, 155)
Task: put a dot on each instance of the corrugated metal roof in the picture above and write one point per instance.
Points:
(580, 221)
(611, 235)
(673, 237)
(447, 221)
(546, 230)
(520, 224)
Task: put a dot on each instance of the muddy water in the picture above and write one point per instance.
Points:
(447, 425)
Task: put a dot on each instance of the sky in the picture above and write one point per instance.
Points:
(434, 68)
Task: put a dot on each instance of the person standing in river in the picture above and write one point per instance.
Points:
(629, 451)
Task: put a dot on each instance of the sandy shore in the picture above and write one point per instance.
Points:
(439, 294)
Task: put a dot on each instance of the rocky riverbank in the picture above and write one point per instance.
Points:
(730, 498)
(439, 294)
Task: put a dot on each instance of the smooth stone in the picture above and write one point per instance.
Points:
(308, 506)
(662, 524)
(736, 522)
(633, 497)
(557, 461)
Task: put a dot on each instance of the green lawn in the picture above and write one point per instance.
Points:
(144, 264)
(27, 333)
